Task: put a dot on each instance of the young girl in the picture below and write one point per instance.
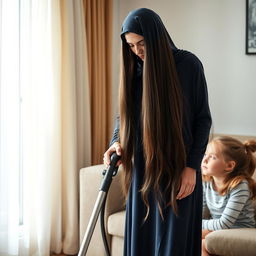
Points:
(227, 168)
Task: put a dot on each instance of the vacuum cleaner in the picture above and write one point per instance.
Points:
(99, 207)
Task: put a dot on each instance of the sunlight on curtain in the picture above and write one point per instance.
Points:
(45, 125)
(9, 127)
(76, 121)
(41, 113)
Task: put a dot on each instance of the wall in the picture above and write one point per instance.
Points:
(215, 31)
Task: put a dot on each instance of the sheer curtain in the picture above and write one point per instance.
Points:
(9, 127)
(76, 123)
(45, 125)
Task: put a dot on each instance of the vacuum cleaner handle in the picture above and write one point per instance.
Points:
(110, 172)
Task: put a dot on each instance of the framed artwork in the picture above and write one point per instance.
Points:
(250, 26)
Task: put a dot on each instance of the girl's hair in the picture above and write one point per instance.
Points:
(161, 121)
(245, 162)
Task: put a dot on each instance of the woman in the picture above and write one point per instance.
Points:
(161, 136)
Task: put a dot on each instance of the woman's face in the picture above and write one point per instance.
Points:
(136, 43)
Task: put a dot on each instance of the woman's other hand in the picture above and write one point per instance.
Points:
(188, 182)
(116, 147)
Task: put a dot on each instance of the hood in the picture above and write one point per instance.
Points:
(146, 23)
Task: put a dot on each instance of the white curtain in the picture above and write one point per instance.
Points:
(45, 125)
(9, 127)
(76, 146)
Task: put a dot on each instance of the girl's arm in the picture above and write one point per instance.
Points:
(206, 212)
(238, 198)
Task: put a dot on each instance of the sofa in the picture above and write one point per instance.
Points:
(232, 242)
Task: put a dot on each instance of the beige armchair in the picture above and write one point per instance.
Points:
(90, 181)
(232, 242)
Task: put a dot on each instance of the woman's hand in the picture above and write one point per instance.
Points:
(116, 147)
(188, 182)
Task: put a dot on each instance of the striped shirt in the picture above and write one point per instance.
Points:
(233, 210)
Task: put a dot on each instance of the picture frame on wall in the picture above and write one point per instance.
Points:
(250, 26)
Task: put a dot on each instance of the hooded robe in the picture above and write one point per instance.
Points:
(174, 235)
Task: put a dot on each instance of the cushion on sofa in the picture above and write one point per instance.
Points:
(232, 242)
(116, 223)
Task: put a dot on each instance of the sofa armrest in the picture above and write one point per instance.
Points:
(90, 181)
(232, 242)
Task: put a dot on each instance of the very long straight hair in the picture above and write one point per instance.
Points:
(161, 122)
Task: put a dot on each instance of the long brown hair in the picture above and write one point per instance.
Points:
(161, 121)
(245, 162)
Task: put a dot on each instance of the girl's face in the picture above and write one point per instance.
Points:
(136, 43)
(213, 163)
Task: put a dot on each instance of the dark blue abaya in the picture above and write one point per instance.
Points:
(174, 235)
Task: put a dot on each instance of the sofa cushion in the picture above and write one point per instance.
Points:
(232, 242)
(116, 223)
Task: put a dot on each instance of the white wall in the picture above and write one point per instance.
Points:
(215, 31)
